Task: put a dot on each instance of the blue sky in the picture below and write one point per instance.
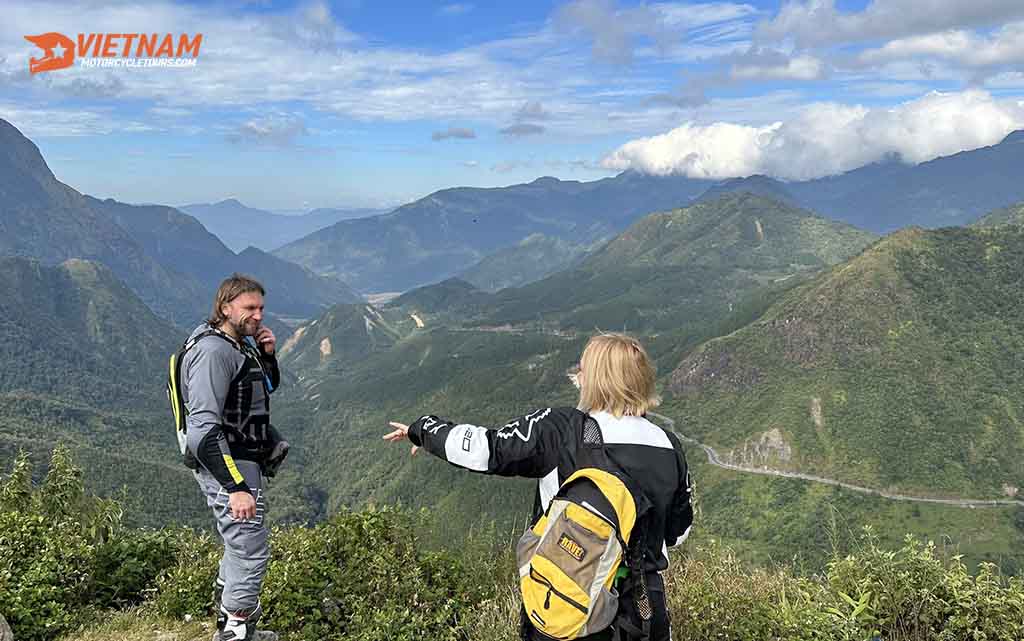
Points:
(297, 105)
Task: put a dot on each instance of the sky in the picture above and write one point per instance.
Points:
(353, 103)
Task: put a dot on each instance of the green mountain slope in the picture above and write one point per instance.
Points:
(181, 243)
(463, 365)
(899, 369)
(84, 362)
(1012, 215)
(688, 266)
(529, 260)
(344, 334)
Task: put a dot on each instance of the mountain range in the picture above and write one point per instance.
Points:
(891, 363)
(529, 260)
(239, 226)
(166, 257)
(680, 268)
(447, 232)
(784, 339)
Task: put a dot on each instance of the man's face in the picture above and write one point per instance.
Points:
(245, 313)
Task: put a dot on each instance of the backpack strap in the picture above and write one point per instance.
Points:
(245, 349)
(594, 453)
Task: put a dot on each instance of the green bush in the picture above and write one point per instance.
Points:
(909, 594)
(369, 576)
(715, 596)
(188, 586)
(358, 576)
(63, 554)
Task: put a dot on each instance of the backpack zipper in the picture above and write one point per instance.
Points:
(540, 578)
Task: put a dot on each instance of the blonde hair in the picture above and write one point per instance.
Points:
(616, 376)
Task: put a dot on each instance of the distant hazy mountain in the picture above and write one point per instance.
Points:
(531, 259)
(168, 258)
(439, 236)
(293, 290)
(240, 226)
(448, 295)
(948, 191)
(898, 369)
(757, 185)
(182, 242)
(43, 218)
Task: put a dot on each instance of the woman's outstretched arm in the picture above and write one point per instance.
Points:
(526, 446)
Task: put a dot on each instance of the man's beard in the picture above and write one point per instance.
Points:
(241, 328)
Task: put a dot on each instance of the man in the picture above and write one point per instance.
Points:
(228, 372)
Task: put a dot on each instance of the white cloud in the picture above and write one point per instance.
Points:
(816, 23)
(802, 67)
(826, 138)
(613, 31)
(59, 122)
(690, 16)
(533, 110)
(1008, 80)
(1004, 47)
(278, 130)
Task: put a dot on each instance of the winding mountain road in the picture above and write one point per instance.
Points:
(714, 459)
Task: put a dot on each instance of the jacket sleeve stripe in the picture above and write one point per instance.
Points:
(467, 446)
(236, 476)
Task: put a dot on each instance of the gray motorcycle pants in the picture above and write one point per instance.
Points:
(246, 542)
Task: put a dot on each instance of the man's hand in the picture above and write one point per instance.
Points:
(266, 340)
(400, 433)
(242, 506)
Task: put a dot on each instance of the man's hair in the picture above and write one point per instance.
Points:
(616, 376)
(230, 289)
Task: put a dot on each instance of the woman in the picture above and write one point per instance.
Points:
(616, 382)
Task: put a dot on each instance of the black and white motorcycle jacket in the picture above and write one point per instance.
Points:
(543, 445)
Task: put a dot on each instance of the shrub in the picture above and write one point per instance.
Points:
(64, 555)
(911, 593)
(358, 576)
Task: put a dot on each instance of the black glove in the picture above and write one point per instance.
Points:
(278, 452)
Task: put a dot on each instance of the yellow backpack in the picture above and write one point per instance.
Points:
(569, 559)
